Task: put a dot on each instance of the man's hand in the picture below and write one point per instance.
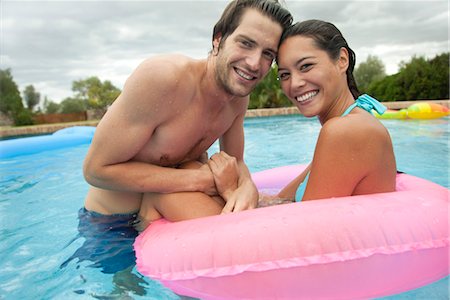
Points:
(238, 191)
(207, 178)
(243, 198)
(225, 171)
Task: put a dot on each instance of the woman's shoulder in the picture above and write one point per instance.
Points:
(354, 128)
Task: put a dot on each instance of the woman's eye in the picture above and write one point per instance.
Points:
(283, 76)
(305, 67)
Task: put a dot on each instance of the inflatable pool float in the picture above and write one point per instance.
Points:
(63, 138)
(392, 114)
(426, 110)
(420, 110)
(347, 248)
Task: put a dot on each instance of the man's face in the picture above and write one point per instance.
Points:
(246, 56)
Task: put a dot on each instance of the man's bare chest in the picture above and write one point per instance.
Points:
(177, 142)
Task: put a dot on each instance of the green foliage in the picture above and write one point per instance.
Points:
(268, 93)
(419, 79)
(51, 107)
(73, 105)
(10, 100)
(23, 117)
(96, 93)
(439, 81)
(371, 70)
(31, 97)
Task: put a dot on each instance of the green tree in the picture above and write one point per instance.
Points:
(370, 71)
(51, 107)
(418, 79)
(23, 117)
(96, 93)
(388, 89)
(10, 100)
(415, 78)
(31, 97)
(73, 105)
(268, 93)
(439, 77)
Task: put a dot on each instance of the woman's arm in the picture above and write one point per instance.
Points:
(288, 192)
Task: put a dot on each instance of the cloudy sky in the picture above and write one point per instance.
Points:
(49, 44)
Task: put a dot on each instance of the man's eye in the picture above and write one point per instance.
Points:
(269, 55)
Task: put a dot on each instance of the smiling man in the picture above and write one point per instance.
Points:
(173, 108)
(148, 152)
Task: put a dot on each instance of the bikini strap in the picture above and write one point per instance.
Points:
(368, 104)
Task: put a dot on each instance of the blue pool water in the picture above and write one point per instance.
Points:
(41, 194)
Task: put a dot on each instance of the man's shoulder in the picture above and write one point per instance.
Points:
(166, 68)
(168, 61)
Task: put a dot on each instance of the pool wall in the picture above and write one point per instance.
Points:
(265, 112)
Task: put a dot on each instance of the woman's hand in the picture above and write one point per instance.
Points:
(269, 200)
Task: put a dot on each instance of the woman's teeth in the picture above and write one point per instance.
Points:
(306, 96)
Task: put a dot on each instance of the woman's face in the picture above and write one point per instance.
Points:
(309, 77)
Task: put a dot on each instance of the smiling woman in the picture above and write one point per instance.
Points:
(354, 153)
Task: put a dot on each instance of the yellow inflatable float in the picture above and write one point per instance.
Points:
(419, 110)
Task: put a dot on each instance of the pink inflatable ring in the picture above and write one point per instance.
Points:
(347, 248)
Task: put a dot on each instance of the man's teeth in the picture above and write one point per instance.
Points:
(242, 74)
(306, 96)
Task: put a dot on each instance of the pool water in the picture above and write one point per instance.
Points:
(42, 193)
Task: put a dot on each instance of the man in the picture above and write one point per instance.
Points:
(171, 110)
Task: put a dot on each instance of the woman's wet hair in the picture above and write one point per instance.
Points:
(231, 16)
(329, 39)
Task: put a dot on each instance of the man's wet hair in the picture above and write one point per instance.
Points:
(231, 16)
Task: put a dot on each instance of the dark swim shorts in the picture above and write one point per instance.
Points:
(108, 240)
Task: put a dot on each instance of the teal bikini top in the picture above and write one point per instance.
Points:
(365, 102)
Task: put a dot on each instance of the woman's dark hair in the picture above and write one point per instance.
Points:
(329, 39)
(231, 16)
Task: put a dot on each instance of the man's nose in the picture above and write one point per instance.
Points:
(254, 61)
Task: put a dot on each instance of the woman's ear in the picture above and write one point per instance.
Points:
(343, 60)
(216, 44)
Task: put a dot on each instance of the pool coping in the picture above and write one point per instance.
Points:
(8, 131)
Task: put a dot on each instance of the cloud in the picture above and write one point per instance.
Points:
(393, 30)
(52, 43)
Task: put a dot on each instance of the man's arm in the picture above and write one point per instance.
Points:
(246, 194)
(127, 126)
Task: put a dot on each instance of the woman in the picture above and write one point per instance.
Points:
(354, 153)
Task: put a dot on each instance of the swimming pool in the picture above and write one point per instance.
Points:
(41, 194)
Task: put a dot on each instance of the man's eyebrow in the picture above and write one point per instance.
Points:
(249, 39)
(245, 37)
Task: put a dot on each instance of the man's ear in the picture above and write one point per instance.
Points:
(343, 60)
(216, 43)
